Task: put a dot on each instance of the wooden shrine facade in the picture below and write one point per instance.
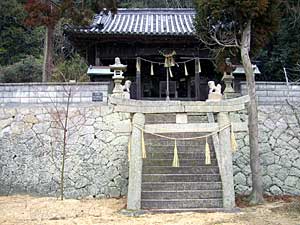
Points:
(139, 37)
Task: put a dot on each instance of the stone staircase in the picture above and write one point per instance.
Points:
(192, 186)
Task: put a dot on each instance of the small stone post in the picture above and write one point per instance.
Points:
(135, 164)
(226, 168)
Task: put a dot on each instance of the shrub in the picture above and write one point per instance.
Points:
(28, 69)
(74, 68)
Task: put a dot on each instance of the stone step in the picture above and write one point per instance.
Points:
(180, 170)
(193, 185)
(181, 177)
(160, 118)
(166, 142)
(196, 210)
(198, 118)
(181, 203)
(195, 194)
(182, 162)
(182, 186)
(181, 155)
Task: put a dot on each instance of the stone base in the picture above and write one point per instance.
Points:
(231, 95)
(214, 97)
(123, 95)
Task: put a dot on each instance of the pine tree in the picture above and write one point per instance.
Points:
(243, 27)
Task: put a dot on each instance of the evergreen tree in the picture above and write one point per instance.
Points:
(284, 49)
(244, 26)
(44, 13)
(47, 13)
(16, 40)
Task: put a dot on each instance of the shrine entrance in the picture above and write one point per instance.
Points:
(185, 80)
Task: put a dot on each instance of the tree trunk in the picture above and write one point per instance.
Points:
(48, 54)
(65, 142)
(256, 196)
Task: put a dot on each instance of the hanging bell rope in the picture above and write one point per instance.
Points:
(207, 154)
(175, 157)
(186, 73)
(169, 59)
(144, 155)
(152, 70)
(234, 145)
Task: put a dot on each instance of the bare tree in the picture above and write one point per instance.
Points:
(60, 113)
(65, 123)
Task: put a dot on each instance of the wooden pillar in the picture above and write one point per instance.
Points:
(97, 58)
(189, 87)
(197, 79)
(138, 79)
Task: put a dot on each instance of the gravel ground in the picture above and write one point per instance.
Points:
(20, 209)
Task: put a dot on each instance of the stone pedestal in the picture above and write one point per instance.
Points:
(214, 97)
(231, 95)
(225, 164)
(228, 78)
(229, 91)
(118, 88)
(135, 164)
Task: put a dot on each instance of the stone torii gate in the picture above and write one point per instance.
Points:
(183, 108)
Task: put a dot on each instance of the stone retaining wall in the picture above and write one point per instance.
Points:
(40, 93)
(31, 151)
(274, 93)
(31, 137)
(279, 143)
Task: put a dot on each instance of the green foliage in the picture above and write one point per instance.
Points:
(26, 70)
(226, 20)
(74, 68)
(16, 41)
(284, 49)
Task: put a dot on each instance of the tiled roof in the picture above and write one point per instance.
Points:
(150, 21)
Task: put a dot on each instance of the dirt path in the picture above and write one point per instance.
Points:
(16, 210)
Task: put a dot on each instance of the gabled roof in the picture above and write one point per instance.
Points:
(141, 21)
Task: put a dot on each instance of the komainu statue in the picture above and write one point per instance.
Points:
(214, 94)
(126, 89)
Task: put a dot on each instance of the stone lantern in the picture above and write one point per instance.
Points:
(228, 79)
(118, 68)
